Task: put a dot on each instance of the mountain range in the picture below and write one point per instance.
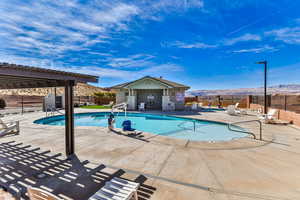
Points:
(277, 89)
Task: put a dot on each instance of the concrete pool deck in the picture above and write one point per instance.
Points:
(243, 169)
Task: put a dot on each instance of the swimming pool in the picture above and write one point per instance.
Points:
(171, 126)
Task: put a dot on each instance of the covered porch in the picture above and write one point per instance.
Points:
(155, 93)
(154, 99)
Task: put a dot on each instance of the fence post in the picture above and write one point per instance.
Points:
(22, 104)
(285, 102)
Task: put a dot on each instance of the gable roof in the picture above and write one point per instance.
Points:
(164, 81)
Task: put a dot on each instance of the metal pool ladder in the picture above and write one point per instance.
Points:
(242, 131)
(194, 125)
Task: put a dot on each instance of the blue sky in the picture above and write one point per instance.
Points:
(207, 44)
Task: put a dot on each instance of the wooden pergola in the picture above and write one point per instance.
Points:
(18, 76)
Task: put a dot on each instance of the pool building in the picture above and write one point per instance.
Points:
(154, 93)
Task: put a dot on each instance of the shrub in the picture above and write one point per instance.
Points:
(102, 98)
(2, 104)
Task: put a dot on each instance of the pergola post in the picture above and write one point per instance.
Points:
(69, 118)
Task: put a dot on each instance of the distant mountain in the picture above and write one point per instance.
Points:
(80, 89)
(278, 89)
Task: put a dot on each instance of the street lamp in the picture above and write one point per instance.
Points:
(265, 93)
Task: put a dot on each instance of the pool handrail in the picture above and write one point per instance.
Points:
(248, 132)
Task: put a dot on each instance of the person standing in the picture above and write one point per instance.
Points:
(110, 122)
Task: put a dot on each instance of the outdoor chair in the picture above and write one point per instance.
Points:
(117, 189)
(237, 105)
(10, 127)
(110, 104)
(231, 110)
(127, 126)
(270, 117)
(38, 194)
(238, 110)
(142, 107)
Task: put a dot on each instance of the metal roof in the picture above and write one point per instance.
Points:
(19, 76)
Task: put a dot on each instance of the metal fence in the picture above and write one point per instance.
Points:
(283, 102)
(221, 100)
(26, 103)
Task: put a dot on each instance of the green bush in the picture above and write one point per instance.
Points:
(2, 104)
(105, 95)
(103, 98)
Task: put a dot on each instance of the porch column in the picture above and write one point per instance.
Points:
(131, 99)
(69, 118)
(167, 105)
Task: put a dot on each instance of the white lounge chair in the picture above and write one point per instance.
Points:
(38, 194)
(238, 110)
(237, 105)
(231, 110)
(142, 106)
(270, 116)
(7, 128)
(117, 189)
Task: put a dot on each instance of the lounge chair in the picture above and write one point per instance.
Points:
(237, 105)
(238, 110)
(38, 194)
(117, 189)
(270, 117)
(231, 110)
(142, 106)
(11, 127)
(110, 104)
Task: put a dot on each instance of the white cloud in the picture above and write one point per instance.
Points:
(133, 61)
(116, 14)
(166, 69)
(53, 27)
(196, 45)
(243, 38)
(178, 4)
(155, 10)
(124, 74)
(287, 35)
(265, 48)
(201, 45)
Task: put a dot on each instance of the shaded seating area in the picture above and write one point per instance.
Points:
(23, 167)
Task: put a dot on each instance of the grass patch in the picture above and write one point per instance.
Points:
(96, 107)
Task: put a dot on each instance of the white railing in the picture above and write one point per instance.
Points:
(121, 106)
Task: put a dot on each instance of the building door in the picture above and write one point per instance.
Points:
(151, 98)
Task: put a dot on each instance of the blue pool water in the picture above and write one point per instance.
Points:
(177, 127)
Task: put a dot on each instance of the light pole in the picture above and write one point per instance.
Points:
(265, 87)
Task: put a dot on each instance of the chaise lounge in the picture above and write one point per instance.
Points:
(115, 189)
(9, 128)
(270, 117)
